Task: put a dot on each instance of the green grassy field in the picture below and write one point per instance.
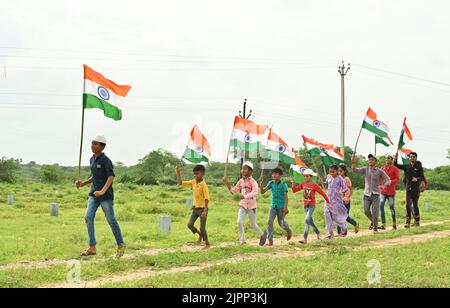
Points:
(29, 233)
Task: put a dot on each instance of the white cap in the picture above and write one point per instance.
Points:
(248, 164)
(100, 139)
(309, 172)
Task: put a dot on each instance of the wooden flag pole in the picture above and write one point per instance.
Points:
(375, 147)
(357, 140)
(81, 142)
(226, 162)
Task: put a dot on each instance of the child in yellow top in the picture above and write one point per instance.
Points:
(201, 202)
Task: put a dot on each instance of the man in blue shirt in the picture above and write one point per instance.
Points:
(279, 204)
(101, 194)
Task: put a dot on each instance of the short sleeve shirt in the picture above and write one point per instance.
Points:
(278, 194)
(101, 169)
(200, 192)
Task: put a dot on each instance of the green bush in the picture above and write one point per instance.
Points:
(8, 169)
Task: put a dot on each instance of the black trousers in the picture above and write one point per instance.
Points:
(412, 202)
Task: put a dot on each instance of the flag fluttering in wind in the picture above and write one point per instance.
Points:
(405, 135)
(372, 124)
(198, 149)
(278, 150)
(297, 169)
(103, 94)
(404, 155)
(379, 140)
(248, 136)
(329, 154)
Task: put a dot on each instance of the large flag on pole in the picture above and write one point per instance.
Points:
(329, 154)
(198, 149)
(405, 135)
(404, 155)
(278, 150)
(372, 124)
(103, 94)
(248, 136)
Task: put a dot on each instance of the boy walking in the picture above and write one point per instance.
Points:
(201, 202)
(279, 205)
(101, 195)
(247, 187)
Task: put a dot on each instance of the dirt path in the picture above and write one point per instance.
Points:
(295, 252)
(185, 248)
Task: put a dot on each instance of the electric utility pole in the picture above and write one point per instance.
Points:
(343, 70)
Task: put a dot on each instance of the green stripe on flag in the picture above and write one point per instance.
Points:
(402, 142)
(374, 130)
(277, 156)
(327, 160)
(379, 140)
(247, 147)
(194, 157)
(91, 101)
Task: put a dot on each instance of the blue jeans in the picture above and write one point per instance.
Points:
(391, 200)
(350, 220)
(309, 221)
(108, 209)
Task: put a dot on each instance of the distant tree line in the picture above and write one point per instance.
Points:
(158, 168)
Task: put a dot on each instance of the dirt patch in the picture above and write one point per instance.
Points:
(185, 248)
(295, 252)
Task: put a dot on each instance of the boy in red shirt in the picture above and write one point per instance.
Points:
(388, 194)
(309, 201)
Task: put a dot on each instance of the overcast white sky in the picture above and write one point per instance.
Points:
(193, 62)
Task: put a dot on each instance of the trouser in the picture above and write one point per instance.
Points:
(350, 220)
(108, 209)
(391, 200)
(412, 203)
(252, 216)
(309, 221)
(280, 215)
(372, 209)
(196, 214)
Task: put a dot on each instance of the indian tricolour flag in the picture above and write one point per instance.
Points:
(405, 136)
(278, 150)
(198, 149)
(372, 124)
(404, 155)
(103, 94)
(297, 169)
(248, 136)
(329, 154)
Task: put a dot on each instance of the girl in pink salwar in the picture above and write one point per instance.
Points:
(335, 210)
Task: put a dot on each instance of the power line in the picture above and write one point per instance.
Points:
(404, 75)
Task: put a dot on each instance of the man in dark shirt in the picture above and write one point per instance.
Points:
(414, 175)
(101, 194)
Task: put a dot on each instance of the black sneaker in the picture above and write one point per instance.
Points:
(394, 227)
(383, 227)
(407, 226)
(371, 227)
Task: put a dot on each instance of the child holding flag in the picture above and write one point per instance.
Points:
(247, 187)
(279, 205)
(309, 201)
(201, 202)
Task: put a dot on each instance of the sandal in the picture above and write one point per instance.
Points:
(88, 252)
